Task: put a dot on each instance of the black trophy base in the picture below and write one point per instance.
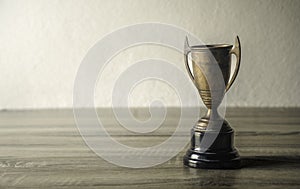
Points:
(205, 160)
(220, 154)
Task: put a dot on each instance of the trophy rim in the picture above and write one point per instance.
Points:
(211, 47)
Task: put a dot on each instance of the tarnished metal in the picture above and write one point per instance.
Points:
(205, 59)
(211, 71)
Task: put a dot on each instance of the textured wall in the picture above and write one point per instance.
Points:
(43, 42)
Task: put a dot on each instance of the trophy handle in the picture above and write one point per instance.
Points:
(187, 50)
(236, 50)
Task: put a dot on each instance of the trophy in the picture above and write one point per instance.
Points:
(212, 138)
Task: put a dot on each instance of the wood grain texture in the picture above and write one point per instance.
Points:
(43, 149)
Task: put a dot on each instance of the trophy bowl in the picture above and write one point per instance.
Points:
(212, 140)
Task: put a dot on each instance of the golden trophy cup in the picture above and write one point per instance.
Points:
(211, 75)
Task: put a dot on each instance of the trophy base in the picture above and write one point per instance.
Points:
(220, 154)
(228, 160)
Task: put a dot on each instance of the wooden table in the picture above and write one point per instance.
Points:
(43, 149)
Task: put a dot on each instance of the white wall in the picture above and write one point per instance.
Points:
(43, 42)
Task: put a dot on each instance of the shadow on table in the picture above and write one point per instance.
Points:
(269, 161)
(227, 178)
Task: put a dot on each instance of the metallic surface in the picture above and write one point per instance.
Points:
(203, 66)
(208, 63)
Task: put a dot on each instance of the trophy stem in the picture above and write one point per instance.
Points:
(212, 116)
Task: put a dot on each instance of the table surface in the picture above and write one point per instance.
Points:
(44, 149)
